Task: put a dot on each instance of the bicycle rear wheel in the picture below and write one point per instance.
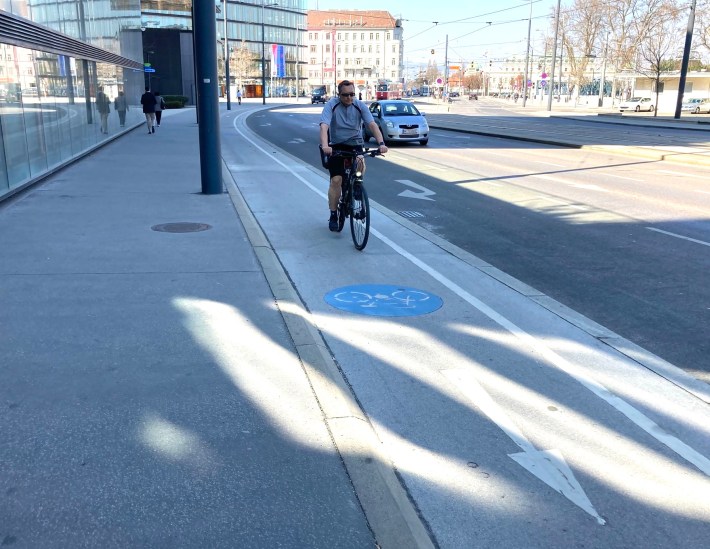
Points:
(360, 217)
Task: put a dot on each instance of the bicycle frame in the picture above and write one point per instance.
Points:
(353, 201)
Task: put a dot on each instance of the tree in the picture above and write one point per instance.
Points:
(658, 49)
(243, 62)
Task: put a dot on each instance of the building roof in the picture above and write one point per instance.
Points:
(351, 19)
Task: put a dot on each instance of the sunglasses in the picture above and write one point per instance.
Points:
(347, 95)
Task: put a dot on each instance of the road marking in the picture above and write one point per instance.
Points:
(423, 193)
(547, 465)
(576, 372)
(547, 163)
(679, 236)
(682, 174)
(624, 177)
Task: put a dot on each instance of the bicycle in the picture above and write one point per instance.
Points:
(353, 201)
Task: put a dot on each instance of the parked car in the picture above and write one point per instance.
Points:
(319, 95)
(399, 120)
(696, 105)
(637, 104)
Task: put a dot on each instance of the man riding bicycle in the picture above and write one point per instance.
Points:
(341, 129)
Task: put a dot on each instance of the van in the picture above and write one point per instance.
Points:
(319, 95)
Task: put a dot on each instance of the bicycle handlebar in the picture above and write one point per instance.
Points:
(353, 154)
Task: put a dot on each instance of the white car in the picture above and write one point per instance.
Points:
(637, 104)
(696, 105)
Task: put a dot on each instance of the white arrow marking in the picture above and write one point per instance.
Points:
(423, 193)
(547, 465)
(297, 140)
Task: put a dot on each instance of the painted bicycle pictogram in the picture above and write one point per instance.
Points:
(383, 300)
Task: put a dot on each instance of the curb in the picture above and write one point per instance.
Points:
(392, 516)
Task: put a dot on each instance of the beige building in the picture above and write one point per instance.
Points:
(361, 46)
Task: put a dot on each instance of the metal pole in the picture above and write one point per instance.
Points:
(686, 60)
(562, 52)
(263, 56)
(603, 80)
(527, 59)
(226, 58)
(554, 58)
(205, 32)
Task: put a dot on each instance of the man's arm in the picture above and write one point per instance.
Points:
(327, 150)
(375, 130)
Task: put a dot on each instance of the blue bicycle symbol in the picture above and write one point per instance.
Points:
(383, 300)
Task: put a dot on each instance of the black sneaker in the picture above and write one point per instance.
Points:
(333, 222)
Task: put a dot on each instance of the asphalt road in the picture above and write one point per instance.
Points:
(621, 240)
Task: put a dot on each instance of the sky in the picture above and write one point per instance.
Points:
(484, 30)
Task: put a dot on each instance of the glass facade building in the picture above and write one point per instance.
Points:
(55, 57)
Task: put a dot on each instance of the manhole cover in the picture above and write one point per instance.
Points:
(181, 227)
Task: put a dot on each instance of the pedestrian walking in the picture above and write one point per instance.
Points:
(239, 96)
(121, 106)
(103, 105)
(159, 107)
(148, 101)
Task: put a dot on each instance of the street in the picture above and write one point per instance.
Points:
(621, 240)
(505, 410)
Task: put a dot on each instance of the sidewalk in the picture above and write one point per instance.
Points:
(153, 396)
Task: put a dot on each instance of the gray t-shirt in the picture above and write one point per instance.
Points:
(345, 122)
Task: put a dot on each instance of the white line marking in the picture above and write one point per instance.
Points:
(623, 177)
(423, 193)
(679, 236)
(547, 163)
(646, 424)
(682, 174)
(547, 465)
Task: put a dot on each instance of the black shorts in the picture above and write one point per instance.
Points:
(335, 163)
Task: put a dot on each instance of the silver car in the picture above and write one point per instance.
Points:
(696, 105)
(399, 120)
(637, 104)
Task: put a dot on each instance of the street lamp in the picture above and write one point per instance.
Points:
(263, 55)
(226, 57)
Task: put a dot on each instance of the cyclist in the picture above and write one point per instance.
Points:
(341, 129)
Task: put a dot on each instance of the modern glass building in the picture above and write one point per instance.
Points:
(253, 28)
(55, 56)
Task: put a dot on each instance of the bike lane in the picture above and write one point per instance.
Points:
(503, 418)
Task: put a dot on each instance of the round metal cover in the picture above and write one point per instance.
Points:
(181, 227)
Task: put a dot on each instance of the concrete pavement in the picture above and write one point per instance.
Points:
(162, 386)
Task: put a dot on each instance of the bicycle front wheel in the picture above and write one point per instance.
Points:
(360, 217)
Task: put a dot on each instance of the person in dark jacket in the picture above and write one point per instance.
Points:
(148, 101)
(103, 105)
